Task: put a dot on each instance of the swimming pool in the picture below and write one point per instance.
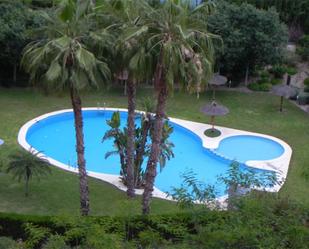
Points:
(54, 136)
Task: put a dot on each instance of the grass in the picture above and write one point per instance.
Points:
(58, 194)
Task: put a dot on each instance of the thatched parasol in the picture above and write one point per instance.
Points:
(213, 110)
(284, 91)
(217, 80)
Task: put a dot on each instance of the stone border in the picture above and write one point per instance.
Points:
(280, 164)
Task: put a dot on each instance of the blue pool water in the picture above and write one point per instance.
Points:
(55, 137)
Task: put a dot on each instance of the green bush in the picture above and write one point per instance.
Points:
(303, 52)
(266, 87)
(306, 90)
(306, 82)
(291, 71)
(278, 71)
(280, 222)
(8, 243)
(303, 49)
(276, 81)
(55, 242)
(304, 41)
(254, 87)
(264, 77)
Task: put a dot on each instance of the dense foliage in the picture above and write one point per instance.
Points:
(252, 38)
(303, 48)
(292, 12)
(143, 134)
(16, 22)
(264, 221)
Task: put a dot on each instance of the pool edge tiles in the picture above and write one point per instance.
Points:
(279, 164)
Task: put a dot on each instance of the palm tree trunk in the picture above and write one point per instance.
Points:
(80, 149)
(15, 72)
(247, 75)
(131, 138)
(151, 170)
(141, 150)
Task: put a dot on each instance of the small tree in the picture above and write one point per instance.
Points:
(25, 166)
(141, 148)
(192, 191)
(240, 181)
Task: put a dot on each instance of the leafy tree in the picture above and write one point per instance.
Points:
(16, 21)
(182, 48)
(192, 191)
(64, 61)
(24, 166)
(292, 12)
(240, 181)
(252, 38)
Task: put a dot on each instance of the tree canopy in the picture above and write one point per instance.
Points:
(16, 21)
(251, 37)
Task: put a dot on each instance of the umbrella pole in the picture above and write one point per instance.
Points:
(212, 121)
(213, 93)
(281, 103)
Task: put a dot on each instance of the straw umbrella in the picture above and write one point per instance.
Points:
(217, 80)
(213, 110)
(284, 91)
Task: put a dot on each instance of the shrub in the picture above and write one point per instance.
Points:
(303, 49)
(291, 71)
(306, 82)
(8, 243)
(276, 81)
(306, 90)
(264, 77)
(55, 242)
(265, 87)
(36, 235)
(280, 222)
(278, 71)
(254, 87)
(303, 52)
(264, 74)
(304, 41)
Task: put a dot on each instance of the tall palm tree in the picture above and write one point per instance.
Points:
(129, 57)
(63, 60)
(24, 166)
(177, 36)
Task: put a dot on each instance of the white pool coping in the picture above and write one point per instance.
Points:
(279, 165)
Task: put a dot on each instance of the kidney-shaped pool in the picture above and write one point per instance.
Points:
(54, 136)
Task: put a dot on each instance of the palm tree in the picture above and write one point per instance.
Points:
(177, 36)
(129, 57)
(24, 166)
(64, 61)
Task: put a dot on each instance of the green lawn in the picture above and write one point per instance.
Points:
(58, 194)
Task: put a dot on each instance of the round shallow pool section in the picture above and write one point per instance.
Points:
(54, 136)
(243, 148)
